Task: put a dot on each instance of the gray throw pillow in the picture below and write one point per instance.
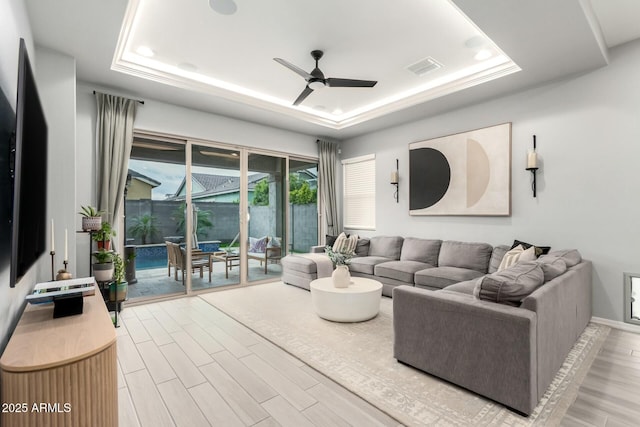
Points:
(362, 247)
(552, 266)
(512, 285)
(570, 256)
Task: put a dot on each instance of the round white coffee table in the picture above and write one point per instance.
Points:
(357, 303)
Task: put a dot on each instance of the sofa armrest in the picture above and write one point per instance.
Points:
(485, 347)
(317, 249)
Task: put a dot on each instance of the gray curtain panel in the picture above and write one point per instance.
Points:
(114, 134)
(327, 153)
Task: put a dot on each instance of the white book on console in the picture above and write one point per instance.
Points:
(46, 291)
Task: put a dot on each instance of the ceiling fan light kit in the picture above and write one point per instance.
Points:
(316, 80)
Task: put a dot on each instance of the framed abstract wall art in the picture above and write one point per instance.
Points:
(468, 173)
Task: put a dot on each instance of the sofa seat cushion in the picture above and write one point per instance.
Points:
(421, 250)
(467, 287)
(441, 277)
(512, 285)
(366, 264)
(298, 263)
(469, 255)
(400, 270)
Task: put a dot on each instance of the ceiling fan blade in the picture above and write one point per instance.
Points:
(293, 68)
(350, 83)
(306, 92)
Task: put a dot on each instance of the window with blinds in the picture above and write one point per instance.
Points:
(359, 192)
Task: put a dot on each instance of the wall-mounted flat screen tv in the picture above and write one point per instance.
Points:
(29, 174)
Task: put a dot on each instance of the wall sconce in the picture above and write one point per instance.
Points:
(394, 181)
(532, 164)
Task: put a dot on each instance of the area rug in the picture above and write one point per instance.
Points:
(359, 356)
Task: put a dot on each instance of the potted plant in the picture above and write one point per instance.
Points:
(103, 268)
(341, 276)
(104, 235)
(118, 288)
(91, 218)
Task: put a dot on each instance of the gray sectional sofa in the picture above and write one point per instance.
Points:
(447, 320)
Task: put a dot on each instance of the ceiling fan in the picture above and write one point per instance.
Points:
(316, 80)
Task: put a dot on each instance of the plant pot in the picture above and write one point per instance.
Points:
(103, 272)
(104, 244)
(341, 276)
(121, 290)
(91, 223)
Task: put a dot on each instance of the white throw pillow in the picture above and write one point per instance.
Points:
(344, 244)
(517, 254)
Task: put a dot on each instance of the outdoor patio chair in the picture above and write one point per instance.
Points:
(171, 259)
(199, 261)
(265, 252)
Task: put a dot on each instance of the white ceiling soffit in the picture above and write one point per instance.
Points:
(216, 54)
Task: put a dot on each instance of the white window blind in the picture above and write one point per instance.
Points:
(359, 192)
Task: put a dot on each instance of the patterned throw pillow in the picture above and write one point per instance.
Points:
(540, 250)
(515, 255)
(258, 245)
(274, 242)
(344, 244)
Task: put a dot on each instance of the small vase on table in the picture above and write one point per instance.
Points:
(341, 276)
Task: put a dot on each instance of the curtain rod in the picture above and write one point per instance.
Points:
(137, 100)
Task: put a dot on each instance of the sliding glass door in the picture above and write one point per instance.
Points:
(202, 215)
(266, 196)
(303, 205)
(154, 217)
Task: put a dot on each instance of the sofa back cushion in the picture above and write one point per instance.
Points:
(421, 250)
(512, 285)
(474, 256)
(386, 246)
(496, 257)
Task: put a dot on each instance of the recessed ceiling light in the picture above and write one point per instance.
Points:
(482, 55)
(145, 51)
(223, 7)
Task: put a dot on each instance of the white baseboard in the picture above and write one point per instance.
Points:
(616, 324)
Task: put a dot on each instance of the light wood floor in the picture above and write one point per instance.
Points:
(610, 394)
(184, 363)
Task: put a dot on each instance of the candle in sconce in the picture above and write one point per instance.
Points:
(66, 245)
(53, 239)
(532, 160)
(394, 177)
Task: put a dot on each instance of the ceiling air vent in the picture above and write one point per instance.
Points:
(424, 66)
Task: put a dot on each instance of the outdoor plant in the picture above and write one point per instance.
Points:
(203, 222)
(144, 226)
(338, 258)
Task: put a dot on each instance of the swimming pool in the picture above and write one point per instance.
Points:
(155, 256)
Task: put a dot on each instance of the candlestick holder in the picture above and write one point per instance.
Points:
(66, 263)
(53, 261)
(532, 165)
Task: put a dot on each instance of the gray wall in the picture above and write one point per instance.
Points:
(588, 132)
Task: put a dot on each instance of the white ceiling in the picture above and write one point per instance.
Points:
(224, 63)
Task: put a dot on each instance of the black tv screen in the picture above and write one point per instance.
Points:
(29, 221)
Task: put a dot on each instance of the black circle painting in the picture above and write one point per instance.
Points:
(432, 179)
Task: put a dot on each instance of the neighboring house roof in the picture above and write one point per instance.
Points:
(215, 185)
(140, 177)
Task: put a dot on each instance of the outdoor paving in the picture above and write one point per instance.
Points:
(154, 282)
